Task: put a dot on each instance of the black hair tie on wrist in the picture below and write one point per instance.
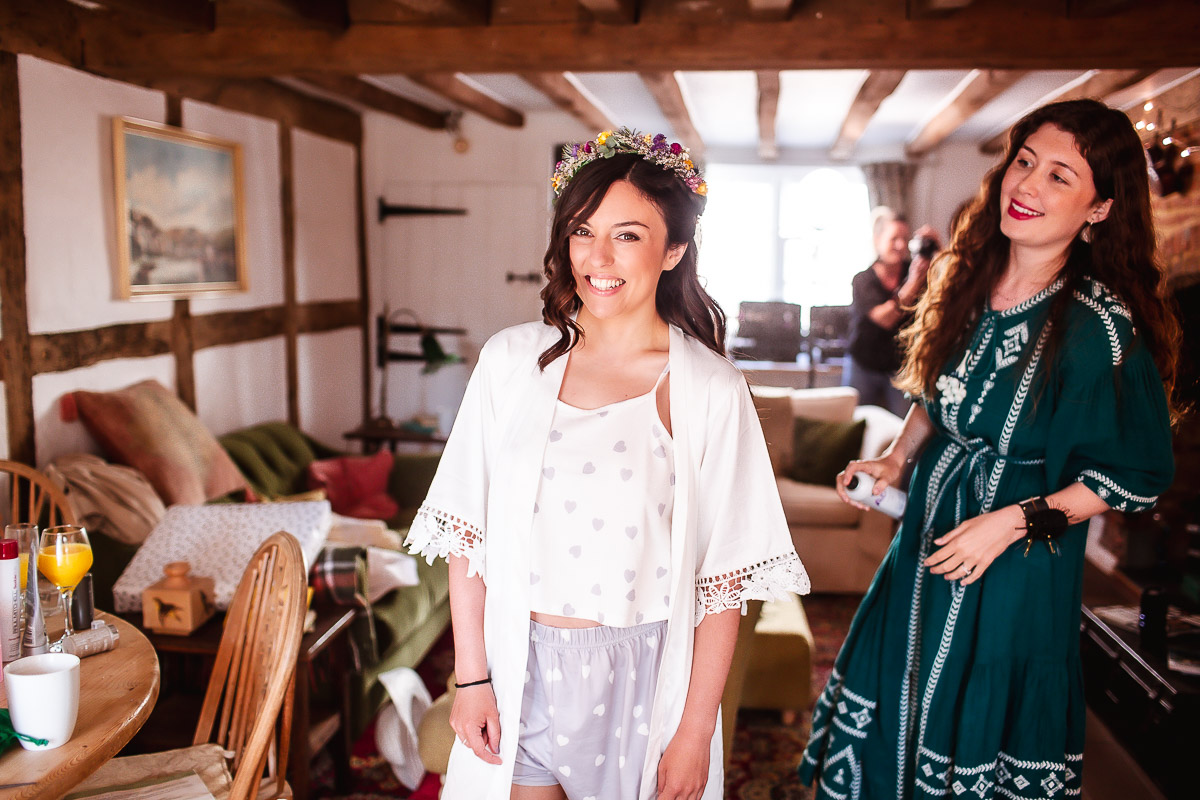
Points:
(1042, 522)
(472, 683)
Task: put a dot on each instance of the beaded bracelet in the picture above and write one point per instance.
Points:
(472, 683)
(1042, 522)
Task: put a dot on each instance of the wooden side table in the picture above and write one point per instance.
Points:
(313, 726)
(375, 436)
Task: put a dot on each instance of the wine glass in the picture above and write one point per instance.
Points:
(26, 535)
(64, 557)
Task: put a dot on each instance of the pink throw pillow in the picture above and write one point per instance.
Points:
(356, 485)
(147, 427)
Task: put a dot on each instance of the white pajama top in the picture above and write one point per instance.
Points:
(601, 539)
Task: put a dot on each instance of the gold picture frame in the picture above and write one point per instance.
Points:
(181, 221)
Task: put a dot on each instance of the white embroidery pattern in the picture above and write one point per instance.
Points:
(1037, 298)
(437, 534)
(1009, 349)
(952, 389)
(1005, 776)
(1114, 341)
(1115, 488)
(774, 579)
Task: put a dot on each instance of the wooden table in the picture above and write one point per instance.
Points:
(117, 690)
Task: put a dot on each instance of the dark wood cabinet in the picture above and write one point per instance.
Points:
(1154, 712)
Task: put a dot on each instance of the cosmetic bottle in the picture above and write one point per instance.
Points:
(33, 638)
(891, 502)
(10, 600)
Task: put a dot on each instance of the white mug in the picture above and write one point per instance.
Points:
(43, 697)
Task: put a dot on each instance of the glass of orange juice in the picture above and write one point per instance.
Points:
(64, 557)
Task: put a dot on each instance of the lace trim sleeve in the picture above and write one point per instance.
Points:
(437, 534)
(773, 579)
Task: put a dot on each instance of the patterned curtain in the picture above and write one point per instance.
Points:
(889, 184)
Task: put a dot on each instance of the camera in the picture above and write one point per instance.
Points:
(925, 247)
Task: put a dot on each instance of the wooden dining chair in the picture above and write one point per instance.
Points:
(245, 721)
(33, 497)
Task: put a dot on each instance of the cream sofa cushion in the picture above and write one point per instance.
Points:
(778, 426)
(815, 506)
(779, 406)
(830, 404)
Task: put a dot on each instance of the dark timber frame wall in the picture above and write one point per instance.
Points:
(23, 355)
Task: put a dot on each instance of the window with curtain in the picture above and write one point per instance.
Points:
(797, 234)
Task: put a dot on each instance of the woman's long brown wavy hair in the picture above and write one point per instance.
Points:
(1121, 255)
(680, 299)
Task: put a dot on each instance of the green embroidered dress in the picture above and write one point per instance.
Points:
(944, 690)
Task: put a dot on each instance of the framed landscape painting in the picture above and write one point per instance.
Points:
(180, 216)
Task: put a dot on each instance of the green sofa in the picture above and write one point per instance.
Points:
(274, 457)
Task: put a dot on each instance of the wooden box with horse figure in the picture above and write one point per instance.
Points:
(179, 603)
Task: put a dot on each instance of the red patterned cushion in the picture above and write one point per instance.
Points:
(356, 486)
(147, 427)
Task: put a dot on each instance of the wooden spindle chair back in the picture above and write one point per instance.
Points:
(251, 685)
(33, 497)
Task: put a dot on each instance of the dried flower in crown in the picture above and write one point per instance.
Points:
(670, 156)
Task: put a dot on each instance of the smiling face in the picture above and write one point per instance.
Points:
(1047, 194)
(618, 255)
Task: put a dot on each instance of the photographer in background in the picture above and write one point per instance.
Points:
(884, 295)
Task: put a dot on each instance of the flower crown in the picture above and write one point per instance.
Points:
(670, 156)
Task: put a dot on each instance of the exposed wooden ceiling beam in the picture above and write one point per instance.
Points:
(464, 94)
(1100, 84)
(878, 86)
(978, 89)
(924, 8)
(851, 34)
(768, 109)
(378, 99)
(769, 9)
(321, 14)
(267, 99)
(668, 93)
(182, 15)
(465, 10)
(565, 90)
(613, 12)
(1097, 8)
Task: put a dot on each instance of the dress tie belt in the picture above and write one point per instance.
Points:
(977, 460)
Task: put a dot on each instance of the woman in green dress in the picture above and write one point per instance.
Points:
(1042, 355)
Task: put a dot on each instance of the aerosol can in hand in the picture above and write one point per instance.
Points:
(891, 502)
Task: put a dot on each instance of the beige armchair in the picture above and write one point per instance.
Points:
(840, 545)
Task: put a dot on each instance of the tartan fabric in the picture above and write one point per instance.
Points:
(339, 576)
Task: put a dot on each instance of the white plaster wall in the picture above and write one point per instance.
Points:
(56, 437)
(70, 227)
(330, 385)
(947, 177)
(323, 176)
(451, 270)
(241, 384)
(264, 241)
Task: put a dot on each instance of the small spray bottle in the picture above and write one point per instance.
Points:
(891, 502)
(33, 640)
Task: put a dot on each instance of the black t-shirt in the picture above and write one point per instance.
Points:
(871, 346)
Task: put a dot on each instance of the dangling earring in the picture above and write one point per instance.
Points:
(1086, 233)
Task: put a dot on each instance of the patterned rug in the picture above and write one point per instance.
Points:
(765, 750)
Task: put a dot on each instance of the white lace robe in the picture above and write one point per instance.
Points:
(729, 539)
